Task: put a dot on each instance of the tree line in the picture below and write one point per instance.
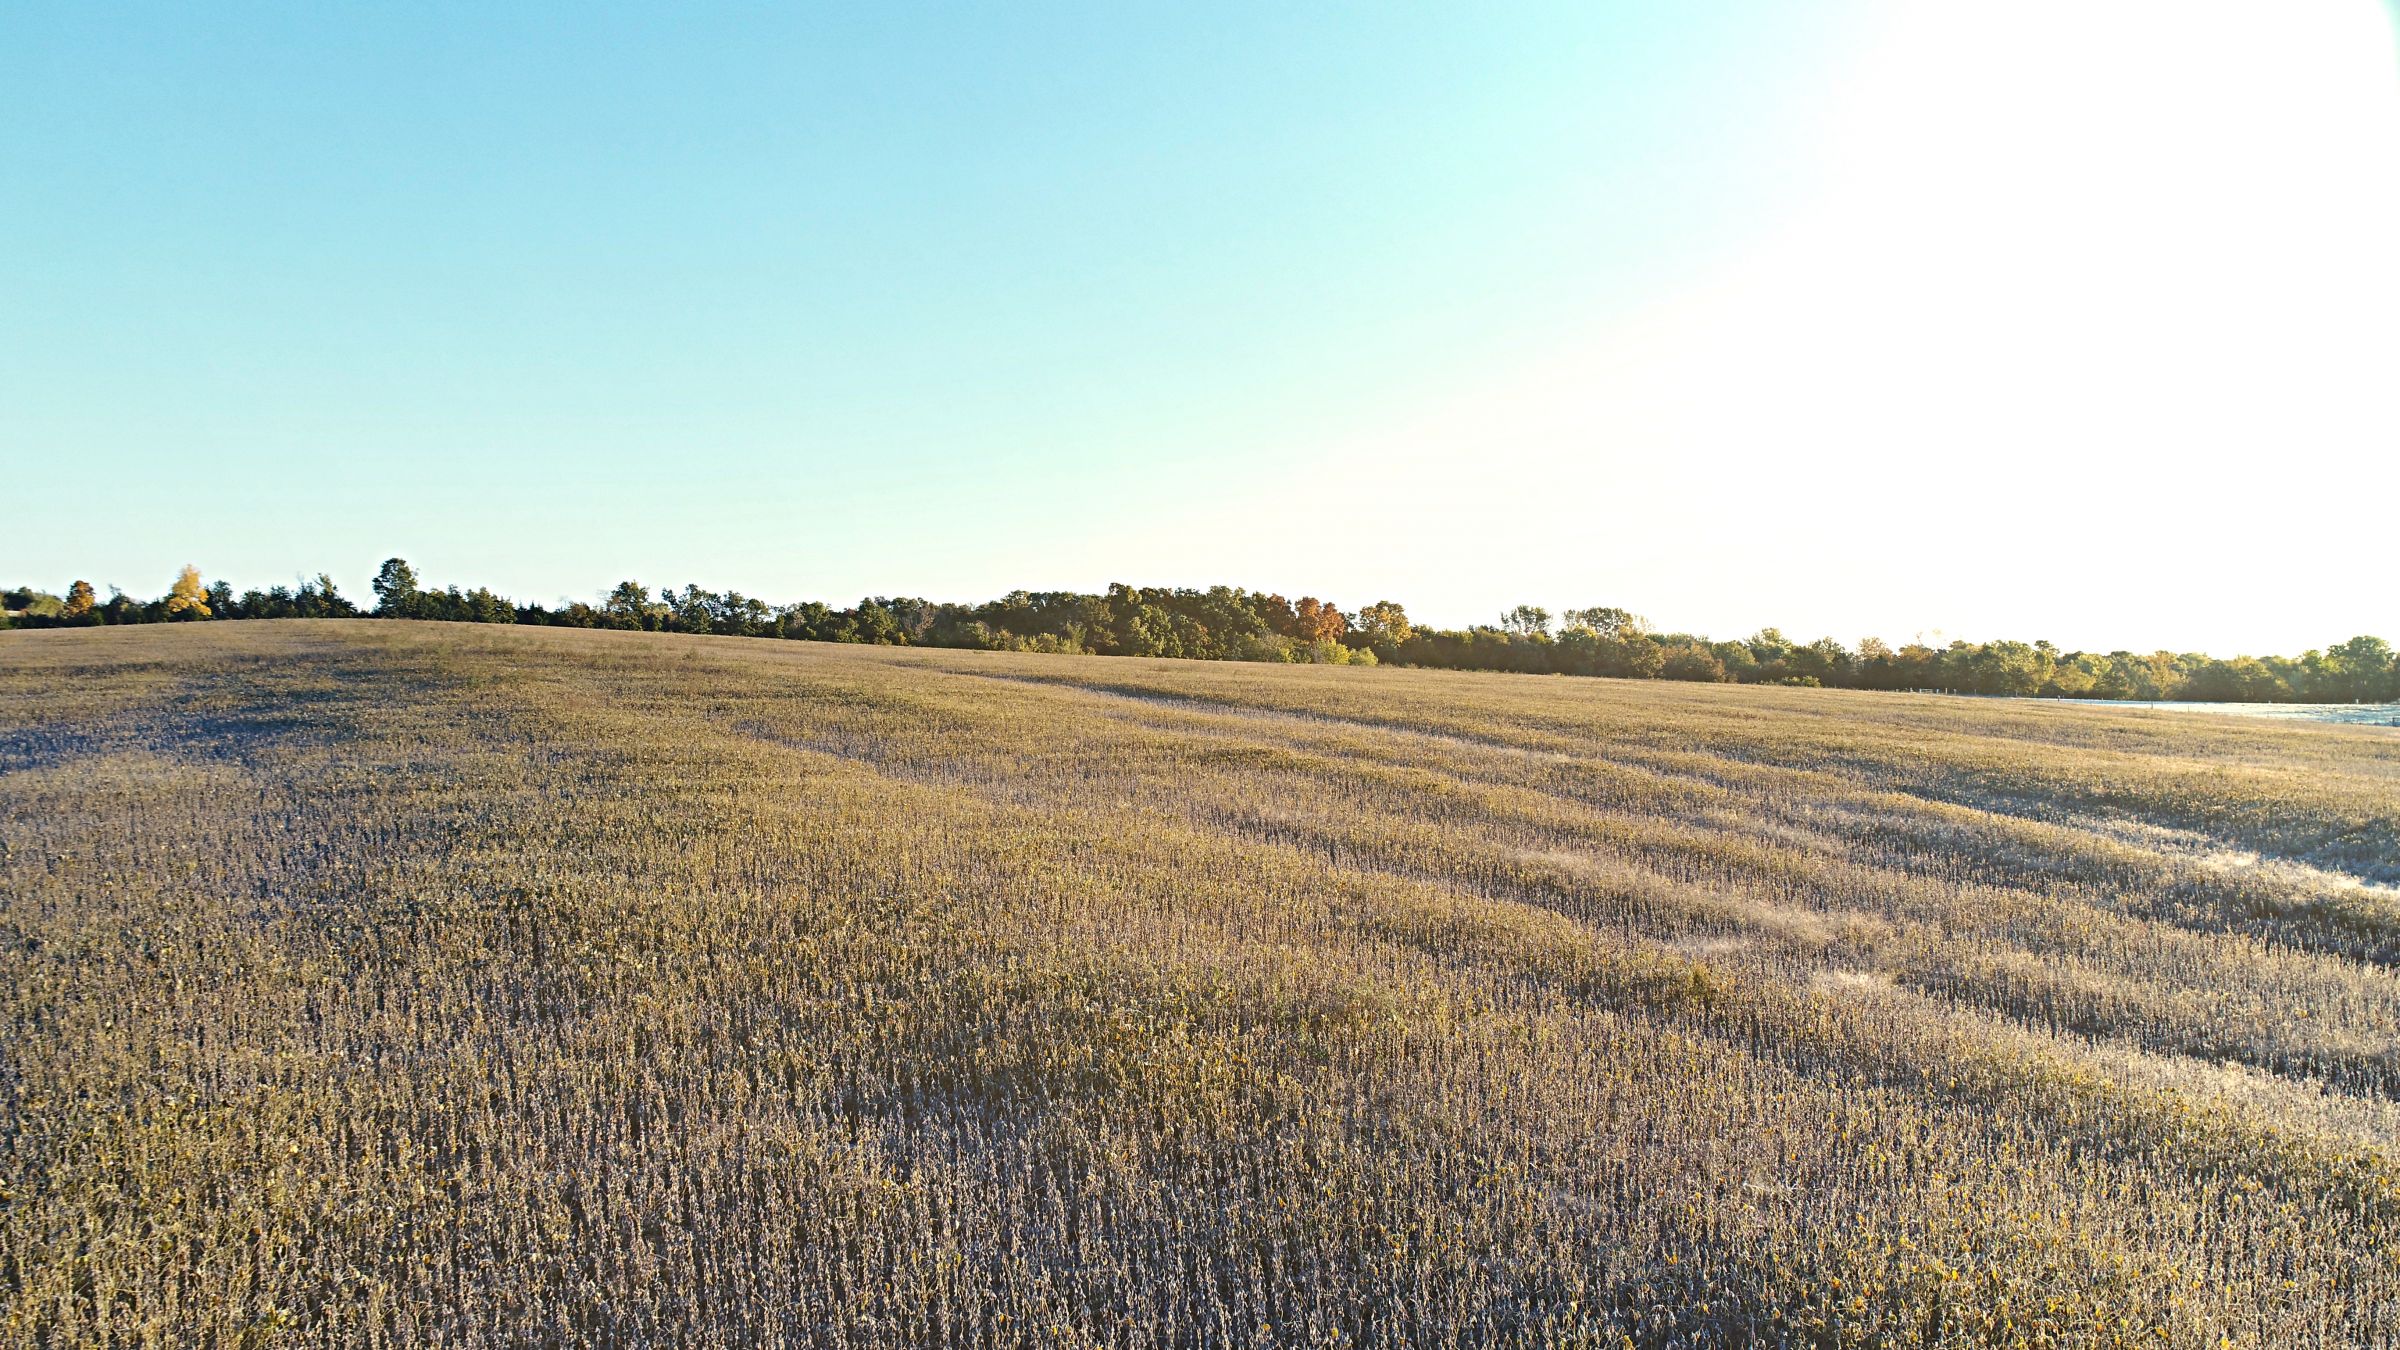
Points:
(1225, 623)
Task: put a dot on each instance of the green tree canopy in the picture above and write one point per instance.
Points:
(396, 589)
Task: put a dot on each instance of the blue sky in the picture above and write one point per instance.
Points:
(1458, 305)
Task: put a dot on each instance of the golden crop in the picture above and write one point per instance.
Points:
(393, 984)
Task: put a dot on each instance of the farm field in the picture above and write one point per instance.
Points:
(396, 984)
(2361, 714)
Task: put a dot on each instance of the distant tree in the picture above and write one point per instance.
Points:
(1633, 658)
(1691, 661)
(319, 600)
(2241, 680)
(1739, 660)
(1824, 660)
(1278, 615)
(2009, 668)
(2124, 674)
(396, 589)
(2362, 669)
(690, 610)
(739, 615)
(1525, 621)
(915, 615)
(811, 620)
(1607, 621)
(187, 598)
(1230, 623)
(2076, 677)
(1385, 623)
(480, 606)
(877, 624)
(629, 605)
(1319, 620)
(1771, 651)
(1149, 630)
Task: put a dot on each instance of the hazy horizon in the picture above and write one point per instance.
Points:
(2046, 320)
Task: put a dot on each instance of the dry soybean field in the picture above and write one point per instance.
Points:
(399, 984)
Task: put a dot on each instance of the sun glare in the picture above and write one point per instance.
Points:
(2065, 267)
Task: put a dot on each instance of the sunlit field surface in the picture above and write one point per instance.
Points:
(392, 984)
(2362, 714)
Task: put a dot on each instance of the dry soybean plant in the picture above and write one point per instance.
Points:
(419, 984)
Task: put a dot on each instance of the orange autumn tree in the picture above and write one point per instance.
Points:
(1320, 620)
